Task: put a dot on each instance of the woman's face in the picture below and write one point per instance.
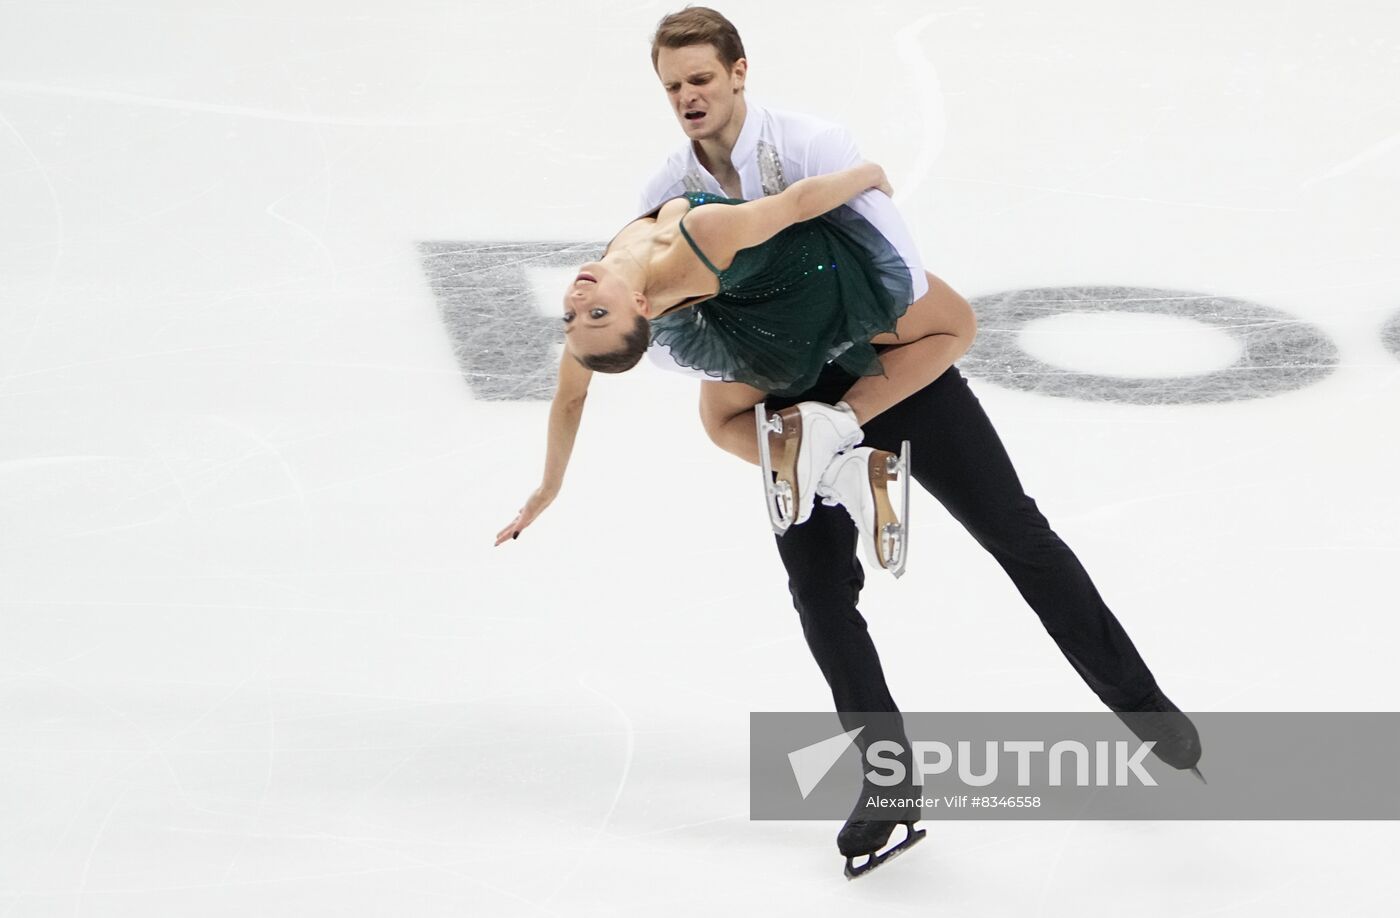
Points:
(599, 310)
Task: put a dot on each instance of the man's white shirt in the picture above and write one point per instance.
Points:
(775, 149)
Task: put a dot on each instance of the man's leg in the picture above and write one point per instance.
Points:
(825, 580)
(824, 577)
(959, 459)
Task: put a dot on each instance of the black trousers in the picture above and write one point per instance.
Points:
(957, 457)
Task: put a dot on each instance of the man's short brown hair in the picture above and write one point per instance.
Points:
(698, 25)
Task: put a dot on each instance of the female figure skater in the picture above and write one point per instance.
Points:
(761, 294)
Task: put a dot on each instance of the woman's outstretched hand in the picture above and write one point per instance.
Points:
(534, 506)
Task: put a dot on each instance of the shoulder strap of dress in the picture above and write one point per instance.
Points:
(695, 248)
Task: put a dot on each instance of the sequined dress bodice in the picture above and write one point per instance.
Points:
(814, 293)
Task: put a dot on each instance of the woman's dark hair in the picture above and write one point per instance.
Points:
(634, 345)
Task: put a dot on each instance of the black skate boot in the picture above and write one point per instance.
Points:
(1156, 719)
(864, 835)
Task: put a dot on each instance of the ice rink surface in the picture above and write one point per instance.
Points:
(257, 653)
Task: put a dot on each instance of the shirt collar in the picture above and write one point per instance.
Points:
(747, 142)
(745, 145)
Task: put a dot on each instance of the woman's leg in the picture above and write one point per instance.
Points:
(933, 333)
(726, 410)
(937, 329)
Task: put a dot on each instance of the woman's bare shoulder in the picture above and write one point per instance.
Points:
(714, 222)
(672, 210)
(666, 214)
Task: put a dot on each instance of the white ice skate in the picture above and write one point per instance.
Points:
(804, 438)
(859, 481)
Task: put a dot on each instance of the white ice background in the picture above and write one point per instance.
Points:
(257, 653)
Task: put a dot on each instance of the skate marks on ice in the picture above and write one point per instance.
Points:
(1277, 352)
(1390, 335)
(504, 343)
(505, 340)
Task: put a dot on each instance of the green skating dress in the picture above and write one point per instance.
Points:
(815, 293)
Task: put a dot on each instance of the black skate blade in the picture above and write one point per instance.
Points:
(911, 838)
(1197, 772)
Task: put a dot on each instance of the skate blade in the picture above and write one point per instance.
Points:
(911, 838)
(777, 431)
(891, 529)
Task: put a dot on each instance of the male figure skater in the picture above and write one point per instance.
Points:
(738, 149)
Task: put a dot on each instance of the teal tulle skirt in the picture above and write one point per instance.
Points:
(815, 293)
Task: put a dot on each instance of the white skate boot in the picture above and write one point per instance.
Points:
(804, 438)
(859, 481)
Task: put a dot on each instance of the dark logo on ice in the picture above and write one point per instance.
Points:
(506, 338)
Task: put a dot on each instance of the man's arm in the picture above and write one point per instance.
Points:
(832, 149)
(659, 189)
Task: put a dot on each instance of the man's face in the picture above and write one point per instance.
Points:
(701, 92)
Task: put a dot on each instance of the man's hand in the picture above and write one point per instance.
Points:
(884, 183)
(534, 506)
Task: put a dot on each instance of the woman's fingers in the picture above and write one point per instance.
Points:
(513, 530)
(534, 506)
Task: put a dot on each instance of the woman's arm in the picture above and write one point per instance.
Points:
(815, 195)
(565, 413)
(722, 231)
